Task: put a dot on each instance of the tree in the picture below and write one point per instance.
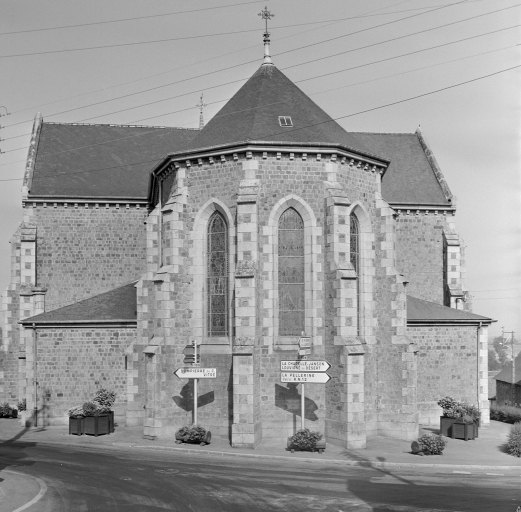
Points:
(501, 350)
(493, 363)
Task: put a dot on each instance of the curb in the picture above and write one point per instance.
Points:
(367, 464)
(38, 497)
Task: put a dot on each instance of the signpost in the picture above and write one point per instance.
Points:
(193, 358)
(304, 366)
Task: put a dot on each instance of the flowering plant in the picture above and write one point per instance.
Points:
(194, 433)
(305, 439)
(105, 399)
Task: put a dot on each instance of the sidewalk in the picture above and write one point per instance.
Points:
(486, 452)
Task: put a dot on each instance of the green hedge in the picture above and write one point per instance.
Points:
(505, 413)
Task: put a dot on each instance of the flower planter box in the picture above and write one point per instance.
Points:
(446, 425)
(464, 431)
(319, 447)
(111, 421)
(184, 439)
(96, 425)
(76, 426)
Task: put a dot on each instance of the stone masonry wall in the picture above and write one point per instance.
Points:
(72, 363)
(419, 253)
(447, 365)
(82, 252)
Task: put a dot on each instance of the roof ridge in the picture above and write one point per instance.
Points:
(121, 125)
(383, 133)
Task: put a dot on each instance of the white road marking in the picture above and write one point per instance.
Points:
(462, 472)
(38, 497)
(495, 474)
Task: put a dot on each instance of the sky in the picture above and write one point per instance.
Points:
(375, 64)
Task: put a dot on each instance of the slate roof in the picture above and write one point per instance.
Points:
(115, 306)
(423, 311)
(252, 114)
(410, 177)
(112, 161)
(505, 375)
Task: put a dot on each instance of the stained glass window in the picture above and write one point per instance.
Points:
(291, 274)
(217, 276)
(354, 258)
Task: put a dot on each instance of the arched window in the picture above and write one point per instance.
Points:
(217, 276)
(354, 258)
(291, 274)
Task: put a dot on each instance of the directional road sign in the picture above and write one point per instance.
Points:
(304, 352)
(192, 356)
(304, 342)
(304, 366)
(313, 377)
(196, 373)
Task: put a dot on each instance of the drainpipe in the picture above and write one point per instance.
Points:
(35, 381)
(479, 331)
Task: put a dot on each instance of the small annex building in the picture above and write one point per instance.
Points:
(270, 222)
(508, 384)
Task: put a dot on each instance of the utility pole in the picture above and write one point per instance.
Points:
(513, 382)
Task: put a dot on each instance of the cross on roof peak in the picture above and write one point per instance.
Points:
(266, 15)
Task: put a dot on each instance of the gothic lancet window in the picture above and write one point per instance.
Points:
(291, 274)
(217, 276)
(354, 258)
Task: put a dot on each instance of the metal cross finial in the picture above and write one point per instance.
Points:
(266, 15)
(201, 105)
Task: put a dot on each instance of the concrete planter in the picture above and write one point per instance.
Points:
(96, 425)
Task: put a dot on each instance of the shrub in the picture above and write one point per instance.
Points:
(514, 440)
(505, 413)
(5, 410)
(472, 411)
(91, 409)
(305, 439)
(105, 398)
(76, 412)
(433, 443)
(195, 434)
(22, 405)
(466, 419)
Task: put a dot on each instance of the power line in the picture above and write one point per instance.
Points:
(244, 63)
(206, 9)
(349, 85)
(155, 41)
(126, 19)
(298, 81)
(307, 126)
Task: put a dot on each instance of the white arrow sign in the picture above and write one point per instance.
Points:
(196, 373)
(304, 342)
(319, 378)
(304, 366)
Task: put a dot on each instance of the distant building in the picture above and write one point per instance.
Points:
(504, 384)
(270, 222)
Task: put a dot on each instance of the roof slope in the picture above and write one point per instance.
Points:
(410, 177)
(419, 310)
(100, 160)
(118, 305)
(505, 375)
(253, 114)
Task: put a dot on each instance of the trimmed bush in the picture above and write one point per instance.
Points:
(22, 405)
(76, 412)
(195, 434)
(505, 413)
(305, 439)
(5, 410)
(432, 443)
(514, 440)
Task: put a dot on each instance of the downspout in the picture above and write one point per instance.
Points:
(35, 381)
(160, 225)
(477, 360)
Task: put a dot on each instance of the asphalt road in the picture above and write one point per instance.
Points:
(130, 480)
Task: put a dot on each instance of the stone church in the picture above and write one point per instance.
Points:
(269, 222)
